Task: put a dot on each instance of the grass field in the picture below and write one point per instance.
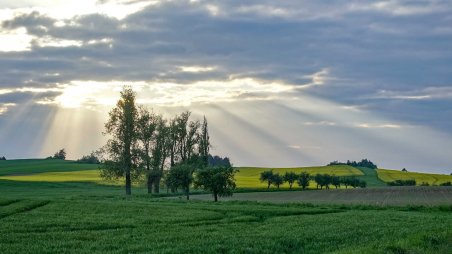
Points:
(105, 224)
(432, 179)
(60, 215)
(392, 196)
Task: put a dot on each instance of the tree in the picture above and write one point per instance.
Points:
(146, 132)
(404, 170)
(303, 180)
(218, 180)
(290, 177)
(3, 158)
(318, 178)
(277, 180)
(122, 127)
(218, 161)
(60, 155)
(92, 158)
(327, 180)
(336, 181)
(267, 176)
(181, 175)
(204, 143)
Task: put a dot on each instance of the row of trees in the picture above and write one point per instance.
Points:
(143, 144)
(303, 179)
(363, 163)
(3, 158)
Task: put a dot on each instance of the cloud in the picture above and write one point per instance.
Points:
(428, 93)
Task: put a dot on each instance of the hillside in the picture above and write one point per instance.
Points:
(432, 179)
(33, 166)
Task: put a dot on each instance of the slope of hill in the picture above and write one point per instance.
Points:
(33, 166)
(433, 179)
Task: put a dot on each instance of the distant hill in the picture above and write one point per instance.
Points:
(33, 166)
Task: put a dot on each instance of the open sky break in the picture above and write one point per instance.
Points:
(282, 83)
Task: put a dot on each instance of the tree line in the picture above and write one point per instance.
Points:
(303, 179)
(3, 158)
(363, 163)
(143, 144)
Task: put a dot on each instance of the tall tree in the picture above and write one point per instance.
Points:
(218, 180)
(204, 143)
(277, 180)
(146, 132)
(122, 127)
(160, 152)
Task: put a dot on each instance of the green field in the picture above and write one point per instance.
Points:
(432, 179)
(248, 177)
(32, 166)
(63, 211)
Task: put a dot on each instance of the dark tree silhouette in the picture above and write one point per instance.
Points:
(303, 180)
(217, 180)
(267, 176)
(290, 178)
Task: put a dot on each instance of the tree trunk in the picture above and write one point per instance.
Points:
(128, 183)
(149, 184)
(157, 185)
(187, 192)
(268, 186)
(215, 196)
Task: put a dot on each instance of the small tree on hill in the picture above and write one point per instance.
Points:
(303, 180)
(290, 177)
(277, 180)
(60, 155)
(319, 181)
(404, 170)
(267, 176)
(3, 158)
(218, 180)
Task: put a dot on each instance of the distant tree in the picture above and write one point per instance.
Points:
(267, 176)
(318, 178)
(3, 158)
(92, 158)
(277, 180)
(60, 155)
(218, 161)
(336, 181)
(363, 163)
(446, 184)
(404, 170)
(290, 178)
(402, 183)
(217, 180)
(122, 126)
(181, 175)
(362, 184)
(347, 181)
(425, 184)
(303, 180)
(327, 180)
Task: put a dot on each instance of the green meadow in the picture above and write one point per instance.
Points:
(67, 208)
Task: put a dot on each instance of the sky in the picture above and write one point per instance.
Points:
(282, 83)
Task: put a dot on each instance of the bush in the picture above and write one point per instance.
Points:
(446, 184)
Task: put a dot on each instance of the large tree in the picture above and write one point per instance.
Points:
(303, 180)
(267, 176)
(122, 128)
(146, 134)
(218, 180)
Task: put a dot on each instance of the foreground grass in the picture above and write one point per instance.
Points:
(432, 179)
(143, 225)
